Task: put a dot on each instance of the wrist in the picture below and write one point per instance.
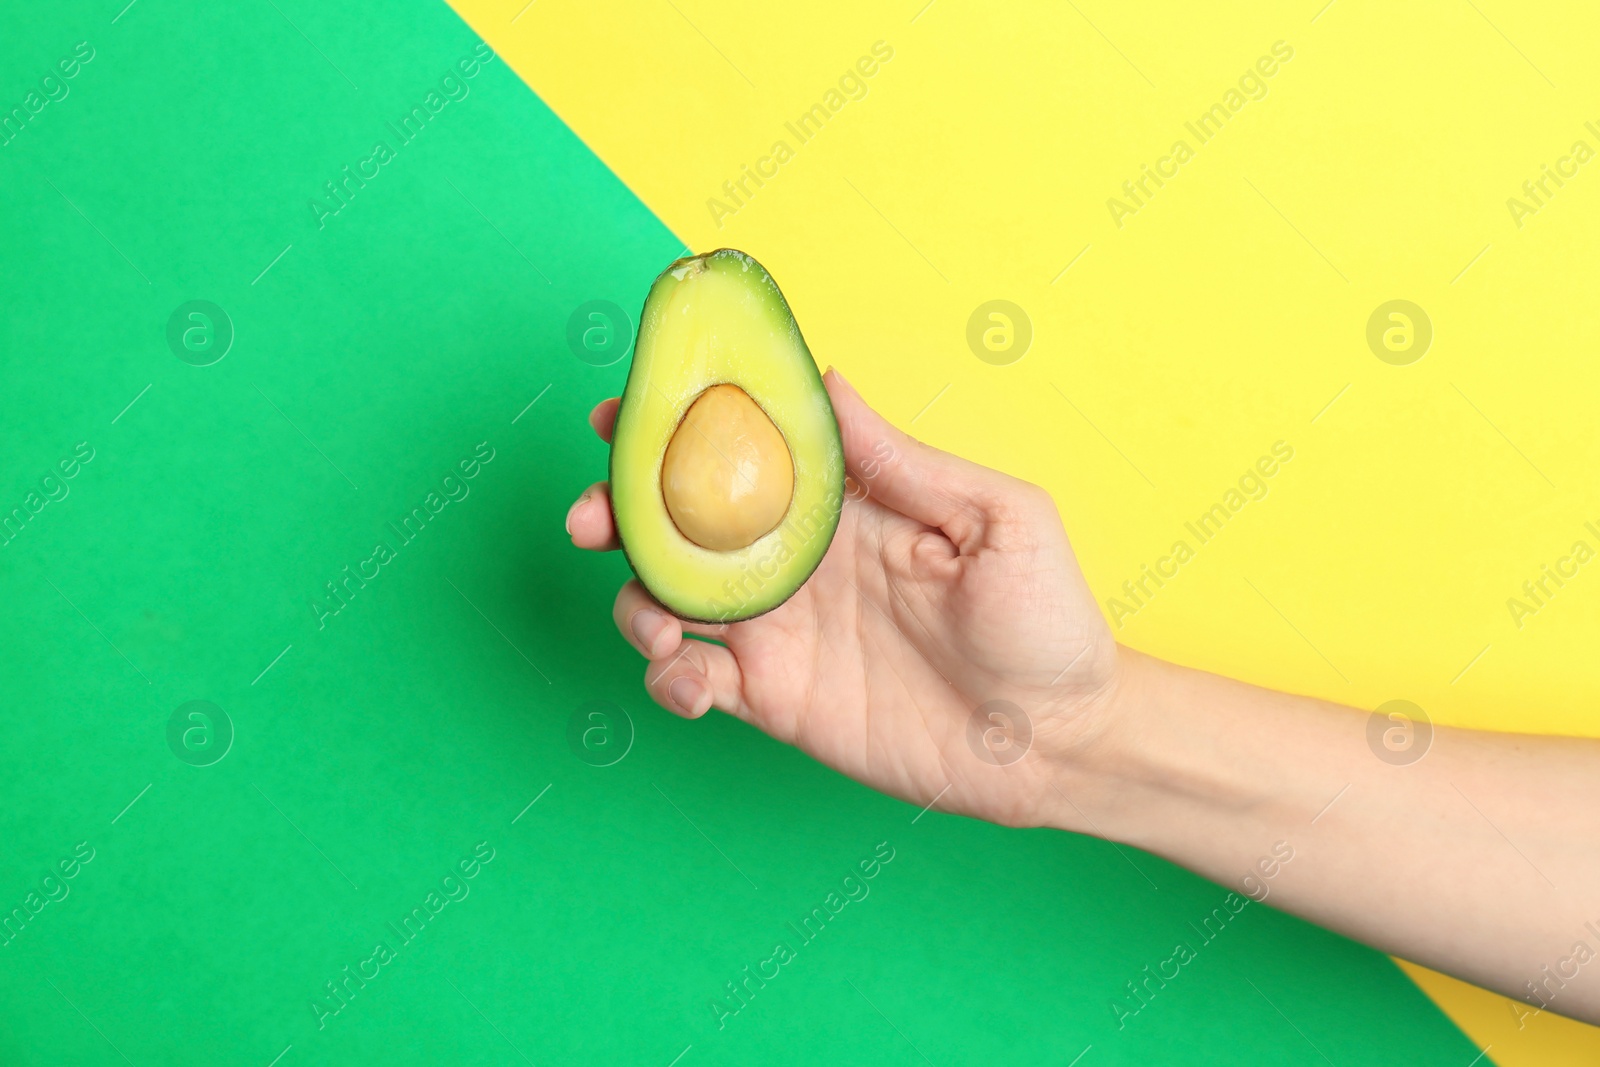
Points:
(1098, 762)
(1169, 754)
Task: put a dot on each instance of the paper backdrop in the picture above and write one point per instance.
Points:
(321, 747)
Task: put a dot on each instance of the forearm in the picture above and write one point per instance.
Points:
(1481, 859)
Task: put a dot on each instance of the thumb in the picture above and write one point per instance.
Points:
(924, 483)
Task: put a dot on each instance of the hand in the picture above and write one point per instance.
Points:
(947, 586)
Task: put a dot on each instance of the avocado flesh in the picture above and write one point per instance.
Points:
(718, 319)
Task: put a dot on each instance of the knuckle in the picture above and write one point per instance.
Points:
(1039, 499)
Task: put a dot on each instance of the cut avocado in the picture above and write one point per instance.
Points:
(727, 473)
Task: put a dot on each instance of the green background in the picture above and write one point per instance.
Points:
(379, 750)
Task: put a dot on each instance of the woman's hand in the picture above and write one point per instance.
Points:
(947, 647)
(949, 611)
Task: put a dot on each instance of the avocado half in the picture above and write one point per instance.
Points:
(727, 472)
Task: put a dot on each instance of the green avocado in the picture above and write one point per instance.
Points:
(727, 472)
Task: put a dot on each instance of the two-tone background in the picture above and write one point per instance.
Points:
(297, 341)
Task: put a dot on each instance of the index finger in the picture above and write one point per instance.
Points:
(604, 418)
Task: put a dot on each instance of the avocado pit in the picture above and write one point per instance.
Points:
(727, 475)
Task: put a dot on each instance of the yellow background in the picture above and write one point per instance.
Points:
(1224, 316)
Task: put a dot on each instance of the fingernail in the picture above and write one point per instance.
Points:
(837, 373)
(687, 693)
(573, 510)
(647, 626)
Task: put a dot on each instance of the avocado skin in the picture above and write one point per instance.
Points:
(798, 575)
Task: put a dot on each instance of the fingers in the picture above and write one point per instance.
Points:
(604, 418)
(589, 520)
(649, 627)
(696, 678)
(961, 498)
(685, 677)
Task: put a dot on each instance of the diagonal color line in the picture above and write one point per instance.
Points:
(1502, 834)
(532, 402)
(281, 1055)
(930, 403)
(1296, 629)
(1502, 433)
(1322, 10)
(702, 833)
(1074, 1062)
(863, 598)
(319, 51)
(274, 262)
(132, 402)
(531, 803)
(1113, 45)
(1468, 267)
(662, 673)
(486, 1019)
(1330, 803)
(924, 8)
(1330, 403)
(308, 440)
(501, 232)
(274, 663)
(1296, 229)
(1068, 667)
(1074, 262)
(886, 1019)
(124, 11)
(97, 230)
(501, 632)
(302, 833)
(131, 803)
(896, 229)
(90, 1021)
(1288, 1020)
(686, 1048)
(1471, 665)
(714, 48)
(524, 11)
(931, 803)
(1101, 834)
(1480, 1055)
(1512, 43)
(1102, 433)
(99, 631)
